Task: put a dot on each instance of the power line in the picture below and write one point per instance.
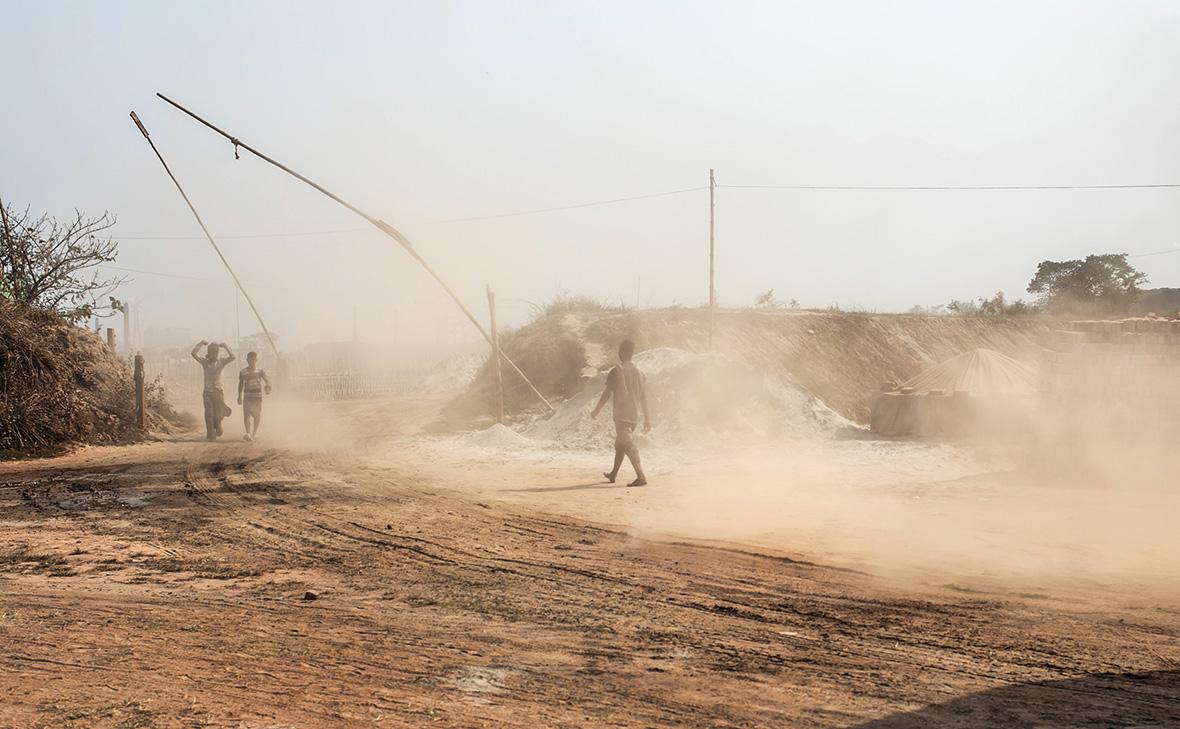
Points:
(574, 207)
(951, 187)
(1154, 253)
(252, 235)
(448, 220)
(666, 193)
(154, 273)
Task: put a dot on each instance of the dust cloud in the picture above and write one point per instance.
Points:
(1085, 489)
(1080, 485)
(1076, 490)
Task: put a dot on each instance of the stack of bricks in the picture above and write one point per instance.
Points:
(1127, 361)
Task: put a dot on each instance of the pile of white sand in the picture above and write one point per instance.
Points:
(497, 436)
(451, 374)
(696, 398)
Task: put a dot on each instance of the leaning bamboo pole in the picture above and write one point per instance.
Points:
(208, 235)
(375, 222)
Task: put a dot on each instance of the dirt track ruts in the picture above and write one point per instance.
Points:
(164, 585)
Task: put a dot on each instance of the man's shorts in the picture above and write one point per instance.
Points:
(623, 433)
(252, 407)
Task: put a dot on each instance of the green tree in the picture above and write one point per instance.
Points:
(767, 300)
(1101, 284)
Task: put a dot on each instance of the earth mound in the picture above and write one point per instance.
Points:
(840, 358)
(696, 398)
(451, 374)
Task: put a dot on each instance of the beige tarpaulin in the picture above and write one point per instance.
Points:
(979, 372)
(979, 389)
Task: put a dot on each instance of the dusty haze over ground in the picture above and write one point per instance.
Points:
(424, 112)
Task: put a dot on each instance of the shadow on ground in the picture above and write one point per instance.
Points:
(574, 487)
(1117, 701)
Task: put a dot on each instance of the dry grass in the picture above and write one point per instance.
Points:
(60, 385)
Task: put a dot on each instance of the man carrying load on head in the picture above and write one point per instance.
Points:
(214, 398)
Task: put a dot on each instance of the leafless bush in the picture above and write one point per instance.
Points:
(51, 265)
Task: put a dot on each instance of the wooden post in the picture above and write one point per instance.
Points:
(712, 286)
(139, 418)
(496, 358)
(127, 326)
(111, 338)
(7, 235)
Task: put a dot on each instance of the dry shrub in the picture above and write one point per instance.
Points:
(60, 385)
(551, 354)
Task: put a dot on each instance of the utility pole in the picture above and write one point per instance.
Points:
(712, 245)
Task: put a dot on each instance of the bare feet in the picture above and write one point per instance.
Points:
(638, 482)
(610, 477)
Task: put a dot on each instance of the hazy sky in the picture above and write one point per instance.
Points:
(421, 112)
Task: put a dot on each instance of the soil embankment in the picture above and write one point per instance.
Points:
(840, 358)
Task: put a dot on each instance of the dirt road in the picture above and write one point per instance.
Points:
(184, 584)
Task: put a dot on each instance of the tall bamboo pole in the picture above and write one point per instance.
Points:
(208, 235)
(377, 223)
(496, 357)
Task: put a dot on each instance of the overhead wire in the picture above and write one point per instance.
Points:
(248, 235)
(1154, 253)
(574, 207)
(952, 187)
(153, 273)
(667, 193)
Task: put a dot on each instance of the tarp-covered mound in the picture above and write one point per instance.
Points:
(976, 390)
(695, 398)
(61, 385)
(980, 372)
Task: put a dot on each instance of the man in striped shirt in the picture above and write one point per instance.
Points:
(251, 383)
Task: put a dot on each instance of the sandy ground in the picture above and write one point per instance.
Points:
(398, 581)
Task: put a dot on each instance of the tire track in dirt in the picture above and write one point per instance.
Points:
(432, 607)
